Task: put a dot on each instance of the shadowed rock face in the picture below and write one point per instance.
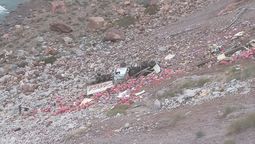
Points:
(60, 27)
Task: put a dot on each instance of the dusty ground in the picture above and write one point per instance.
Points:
(200, 105)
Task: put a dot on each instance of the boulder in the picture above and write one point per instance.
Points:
(60, 27)
(96, 23)
(114, 35)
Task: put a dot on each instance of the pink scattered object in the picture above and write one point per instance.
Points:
(248, 54)
(134, 85)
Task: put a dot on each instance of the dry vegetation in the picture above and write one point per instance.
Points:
(242, 124)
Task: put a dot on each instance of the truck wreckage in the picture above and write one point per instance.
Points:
(121, 74)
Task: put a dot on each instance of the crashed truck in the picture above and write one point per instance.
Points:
(121, 74)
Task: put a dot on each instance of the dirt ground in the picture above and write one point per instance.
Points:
(220, 112)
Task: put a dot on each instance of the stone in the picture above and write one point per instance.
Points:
(18, 26)
(126, 125)
(121, 11)
(204, 92)
(68, 40)
(163, 49)
(252, 43)
(60, 27)
(114, 35)
(2, 72)
(5, 79)
(40, 39)
(50, 51)
(96, 23)
(27, 88)
(157, 104)
(190, 92)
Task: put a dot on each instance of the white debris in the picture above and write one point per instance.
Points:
(170, 56)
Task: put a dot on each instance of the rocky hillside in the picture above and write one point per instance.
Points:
(50, 52)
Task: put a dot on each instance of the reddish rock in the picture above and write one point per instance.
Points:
(60, 27)
(114, 35)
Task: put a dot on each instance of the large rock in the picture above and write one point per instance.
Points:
(27, 88)
(96, 23)
(60, 27)
(114, 35)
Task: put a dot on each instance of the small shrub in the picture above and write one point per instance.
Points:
(49, 60)
(200, 134)
(240, 74)
(187, 84)
(176, 119)
(228, 110)
(243, 124)
(151, 10)
(121, 109)
(126, 21)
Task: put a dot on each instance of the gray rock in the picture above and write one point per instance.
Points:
(68, 40)
(5, 78)
(163, 49)
(2, 72)
(126, 125)
(190, 92)
(157, 104)
(40, 39)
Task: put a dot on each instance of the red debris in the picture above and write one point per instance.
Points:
(135, 85)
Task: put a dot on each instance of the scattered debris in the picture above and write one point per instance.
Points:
(68, 40)
(120, 74)
(169, 56)
(140, 93)
(239, 34)
(252, 43)
(221, 57)
(124, 94)
(17, 129)
(144, 69)
(86, 101)
(215, 49)
(92, 89)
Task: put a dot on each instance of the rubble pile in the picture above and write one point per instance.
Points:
(207, 92)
